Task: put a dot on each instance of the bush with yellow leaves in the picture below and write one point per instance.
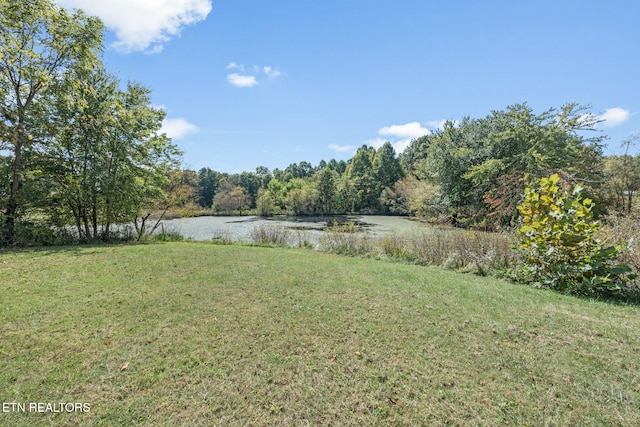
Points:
(561, 251)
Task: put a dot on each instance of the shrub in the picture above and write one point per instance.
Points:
(346, 239)
(40, 234)
(560, 248)
(270, 235)
(624, 230)
(395, 246)
(168, 236)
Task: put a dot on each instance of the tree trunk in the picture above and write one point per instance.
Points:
(13, 203)
(94, 217)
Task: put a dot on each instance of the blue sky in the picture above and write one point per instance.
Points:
(249, 83)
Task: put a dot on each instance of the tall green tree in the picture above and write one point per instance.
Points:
(483, 165)
(359, 173)
(386, 168)
(326, 180)
(138, 158)
(107, 161)
(39, 41)
(82, 114)
(208, 181)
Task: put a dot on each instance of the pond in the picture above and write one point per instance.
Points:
(239, 228)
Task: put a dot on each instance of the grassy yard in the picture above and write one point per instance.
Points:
(200, 334)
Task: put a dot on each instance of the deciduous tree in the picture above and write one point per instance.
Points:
(39, 42)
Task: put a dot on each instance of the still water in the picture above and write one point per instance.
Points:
(238, 228)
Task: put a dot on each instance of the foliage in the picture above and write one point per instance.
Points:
(624, 230)
(560, 248)
(208, 181)
(302, 200)
(394, 199)
(623, 178)
(232, 198)
(39, 43)
(83, 151)
(178, 192)
(482, 165)
(385, 168)
(107, 163)
(326, 180)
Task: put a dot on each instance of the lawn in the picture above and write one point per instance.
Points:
(201, 334)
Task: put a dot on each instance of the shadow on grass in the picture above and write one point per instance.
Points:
(77, 249)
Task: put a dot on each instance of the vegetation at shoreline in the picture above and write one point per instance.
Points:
(202, 334)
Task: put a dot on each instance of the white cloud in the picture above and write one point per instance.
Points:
(249, 76)
(272, 72)
(614, 116)
(177, 128)
(143, 25)
(343, 148)
(242, 81)
(410, 130)
(400, 136)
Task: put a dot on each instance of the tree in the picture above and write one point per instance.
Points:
(394, 199)
(528, 146)
(338, 166)
(264, 203)
(138, 158)
(301, 197)
(39, 41)
(623, 177)
(360, 174)
(82, 113)
(208, 181)
(482, 165)
(106, 161)
(231, 198)
(299, 170)
(179, 190)
(417, 151)
(386, 167)
(326, 180)
(302, 201)
(450, 155)
(250, 182)
(346, 196)
(264, 175)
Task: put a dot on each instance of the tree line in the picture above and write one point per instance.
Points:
(328, 188)
(470, 173)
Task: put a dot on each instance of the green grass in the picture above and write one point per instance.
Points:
(237, 335)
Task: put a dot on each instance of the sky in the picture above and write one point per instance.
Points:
(248, 83)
